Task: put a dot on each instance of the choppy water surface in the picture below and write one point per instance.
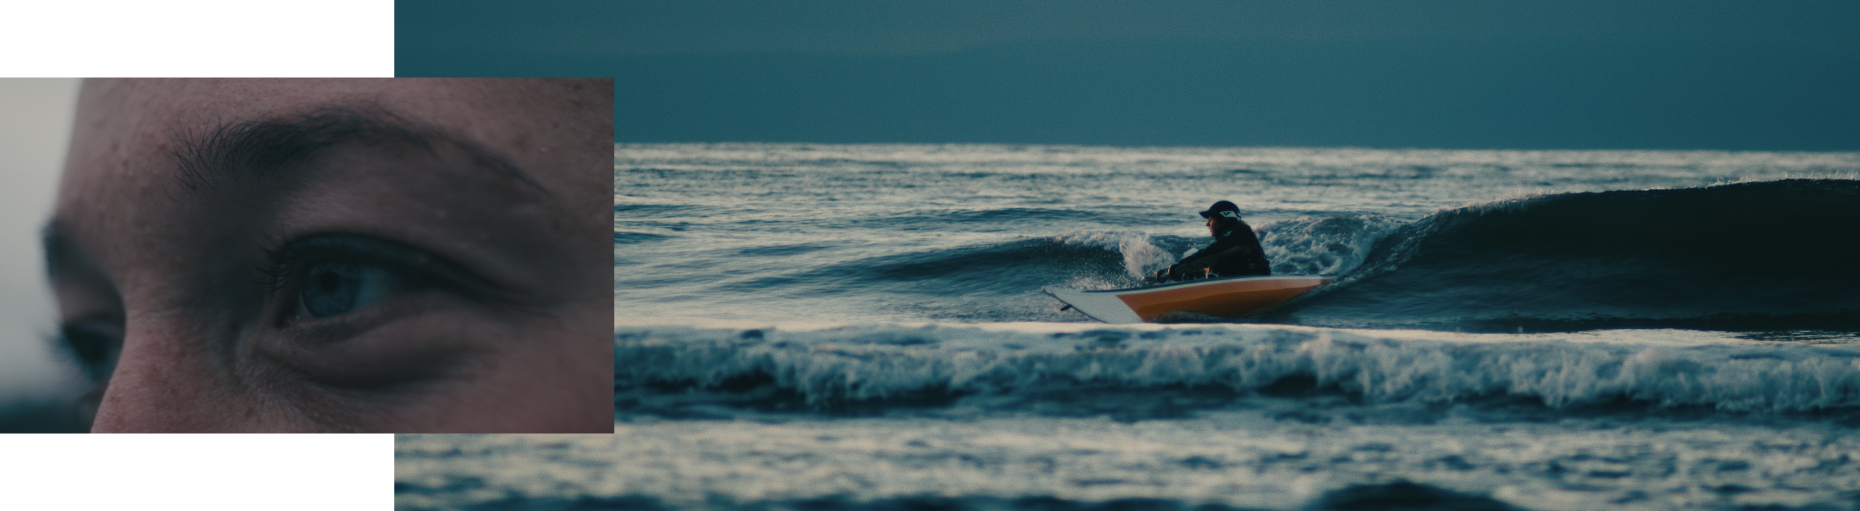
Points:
(861, 327)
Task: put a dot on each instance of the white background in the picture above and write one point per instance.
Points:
(98, 38)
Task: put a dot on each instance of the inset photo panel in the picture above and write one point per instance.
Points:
(315, 255)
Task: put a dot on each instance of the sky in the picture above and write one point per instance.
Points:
(1435, 74)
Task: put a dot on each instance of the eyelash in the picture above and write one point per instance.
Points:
(317, 348)
(283, 268)
(276, 269)
(92, 350)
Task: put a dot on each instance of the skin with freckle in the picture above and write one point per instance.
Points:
(206, 345)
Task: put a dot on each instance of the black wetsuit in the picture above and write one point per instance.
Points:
(1235, 253)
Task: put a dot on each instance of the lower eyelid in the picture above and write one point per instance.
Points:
(367, 353)
(376, 341)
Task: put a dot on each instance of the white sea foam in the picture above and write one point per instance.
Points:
(1141, 255)
(1243, 458)
(877, 362)
(1328, 245)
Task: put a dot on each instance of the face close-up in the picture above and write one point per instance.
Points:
(381, 255)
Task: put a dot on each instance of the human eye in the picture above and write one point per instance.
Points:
(93, 344)
(343, 283)
(331, 289)
(358, 312)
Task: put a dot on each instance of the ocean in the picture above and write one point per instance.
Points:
(861, 327)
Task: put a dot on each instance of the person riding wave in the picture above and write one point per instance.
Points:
(1234, 253)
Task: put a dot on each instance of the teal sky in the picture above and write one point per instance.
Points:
(1453, 74)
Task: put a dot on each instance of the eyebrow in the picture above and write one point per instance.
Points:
(254, 149)
(229, 153)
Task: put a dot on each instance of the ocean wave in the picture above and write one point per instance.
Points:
(1744, 256)
(468, 493)
(1740, 256)
(1002, 218)
(1142, 254)
(633, 237)
(659, 370)
(1100, 259)
(1325, 245)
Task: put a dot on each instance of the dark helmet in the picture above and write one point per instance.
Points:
(1223, 208)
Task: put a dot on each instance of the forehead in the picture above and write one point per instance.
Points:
(121, 124)
(122, 190)
(125, 130)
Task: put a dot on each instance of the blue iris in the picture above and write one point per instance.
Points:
(337, 288)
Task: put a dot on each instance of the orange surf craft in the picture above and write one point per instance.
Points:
(1228, 297)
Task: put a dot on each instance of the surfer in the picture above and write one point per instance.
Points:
(1234, 253)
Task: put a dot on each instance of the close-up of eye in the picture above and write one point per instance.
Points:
(94, 344)
(335, 288)
(365, 255)
(359, 255)
(327, 277)
(335, 276)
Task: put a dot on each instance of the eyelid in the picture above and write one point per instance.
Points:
(350, 354)
(347, 351)
(284, 264)
(94, 342)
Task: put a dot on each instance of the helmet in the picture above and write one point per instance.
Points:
(1223, 208)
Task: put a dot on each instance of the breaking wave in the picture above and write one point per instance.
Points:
(676, 370)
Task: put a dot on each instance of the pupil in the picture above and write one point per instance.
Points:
(333, 289)
(329, 282)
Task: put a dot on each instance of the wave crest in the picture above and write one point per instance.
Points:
(887, 366)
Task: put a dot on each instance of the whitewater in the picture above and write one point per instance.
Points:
(860, 327)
